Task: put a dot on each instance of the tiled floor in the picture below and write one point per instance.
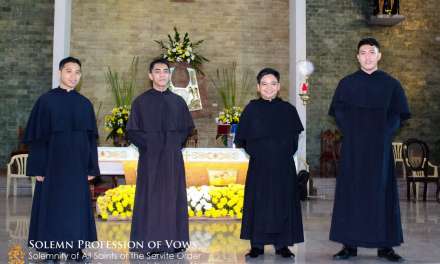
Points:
(218, 241)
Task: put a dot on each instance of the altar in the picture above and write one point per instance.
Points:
(203, 166)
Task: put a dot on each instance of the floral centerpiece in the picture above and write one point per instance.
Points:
(214, 202)
(203, 201)
(117, 203)
(116, 124)
(182, 50)
(230, 115)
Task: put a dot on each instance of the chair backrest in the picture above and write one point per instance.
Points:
(192, 140)
(415, 156)
(397, 151)
(17, 165)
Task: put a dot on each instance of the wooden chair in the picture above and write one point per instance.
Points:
(418, 168)
(192, 140)
(16, 169)
(328, 160)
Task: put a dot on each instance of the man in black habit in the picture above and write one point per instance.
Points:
(268, 130)
(369, 106)
(159, 125)
(61, 134)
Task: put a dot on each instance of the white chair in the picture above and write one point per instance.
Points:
(398, 158)
(19, 161)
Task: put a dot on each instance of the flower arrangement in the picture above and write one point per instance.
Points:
(116, 122)
(117, 203)
(210, 201)
(182, 50)
(230, 115)
(203, 201)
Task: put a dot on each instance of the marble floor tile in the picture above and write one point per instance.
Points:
(218, 241)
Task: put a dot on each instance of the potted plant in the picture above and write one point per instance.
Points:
(122, 89)
(232, 89)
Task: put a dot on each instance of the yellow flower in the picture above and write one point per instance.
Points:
(120, 131)
(224, 212)
(199, 213)
(104, 216)
(115, 213)
(231, 202)
(191, 213)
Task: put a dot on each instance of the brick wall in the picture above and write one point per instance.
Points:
(253, 33)
(26, 29)
(110, 33)
(410, 52)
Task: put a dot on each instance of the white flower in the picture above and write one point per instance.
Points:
(207, 206)
(198, 207)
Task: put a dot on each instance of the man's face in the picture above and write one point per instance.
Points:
(368, 57)
(160, 75)
(70, 75)
(268, 87)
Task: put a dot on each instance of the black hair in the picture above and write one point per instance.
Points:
(67, 60)
(368, 41)
(267, 71)
(159, 61)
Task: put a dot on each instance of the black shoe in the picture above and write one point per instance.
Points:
(389, 254)
(346, 253)
(255, 252)
(285, 252)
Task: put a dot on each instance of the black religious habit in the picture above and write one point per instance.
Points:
(368, 109)
(159, 125)
(61, 134)
(268, 131)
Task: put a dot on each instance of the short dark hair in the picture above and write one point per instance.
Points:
(368, 41)
(267, 71)
(159, 61)
(67, 60)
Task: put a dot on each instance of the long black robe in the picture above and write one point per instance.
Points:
(61, 133)
(368, 110)
(158, 125)
(268, 131)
